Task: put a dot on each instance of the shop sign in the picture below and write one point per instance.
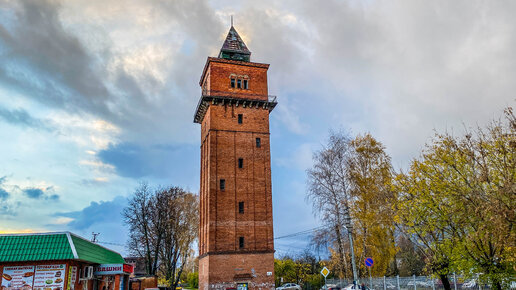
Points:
(18, 277)
(112, 269)
(49, 276)
(128, 268)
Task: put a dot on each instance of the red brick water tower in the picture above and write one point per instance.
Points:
(236, 245)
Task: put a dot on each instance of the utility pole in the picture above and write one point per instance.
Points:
(353, 264)
(349, 227)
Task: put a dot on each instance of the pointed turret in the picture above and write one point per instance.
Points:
(234, 47)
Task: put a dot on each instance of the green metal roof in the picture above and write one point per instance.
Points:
(89, 251)
(54, 246)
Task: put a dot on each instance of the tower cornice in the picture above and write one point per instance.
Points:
(224, 98)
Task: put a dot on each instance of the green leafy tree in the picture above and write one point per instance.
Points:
(459, 200)
(284, 270)
(193, 279)
(303, 270)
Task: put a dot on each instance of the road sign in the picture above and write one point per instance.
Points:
(325, 272)
(369, 262)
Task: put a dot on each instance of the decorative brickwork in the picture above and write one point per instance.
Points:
(235, 244)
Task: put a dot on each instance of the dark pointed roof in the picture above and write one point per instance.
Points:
(234, 47)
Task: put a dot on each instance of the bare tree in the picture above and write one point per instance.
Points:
(328, 189)
(179, 233)
(138, 215)
(162, 228)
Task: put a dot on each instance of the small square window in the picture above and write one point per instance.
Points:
(222, 184)
(245, 84)
(240, 162)
(232, 82)
(241, 242)
(240, 118)
(239, 83)
(241, 207)
(258, 143)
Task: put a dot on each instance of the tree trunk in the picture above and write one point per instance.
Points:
(445, 281)
(176, 282)
(497, 285)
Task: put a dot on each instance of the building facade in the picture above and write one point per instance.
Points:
(59, 261)
(236, 245)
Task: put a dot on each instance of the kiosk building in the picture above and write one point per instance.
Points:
(59, 261)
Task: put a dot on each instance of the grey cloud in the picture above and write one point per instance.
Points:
(91, 182)
(37, 193)
(9, 210)
(22, 118)
(3, 194)
(104, 217)
(96, 213)
(159, 161)
(34, 193)
(401, 69)
(44, 59)
(38, 44)
(53, 197)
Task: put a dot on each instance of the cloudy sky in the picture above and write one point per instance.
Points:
(98, 95)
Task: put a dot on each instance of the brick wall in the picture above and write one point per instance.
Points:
(226, 271)
(218, 72)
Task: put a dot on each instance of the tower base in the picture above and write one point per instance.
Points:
(237, 271)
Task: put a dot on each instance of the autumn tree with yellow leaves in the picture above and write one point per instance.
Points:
(370, 176)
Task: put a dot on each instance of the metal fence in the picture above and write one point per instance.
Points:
(413, 283)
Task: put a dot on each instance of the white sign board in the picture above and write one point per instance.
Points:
(18, 277)
(109, 269)
(325, 272)
(49, 276)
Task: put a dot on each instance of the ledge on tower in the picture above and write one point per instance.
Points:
(226, 99)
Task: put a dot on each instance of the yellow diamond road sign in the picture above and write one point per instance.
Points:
(325, 272)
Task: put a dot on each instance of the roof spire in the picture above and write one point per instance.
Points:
(234, 47)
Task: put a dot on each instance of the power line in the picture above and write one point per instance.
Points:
(305, 232)
(110, 243)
